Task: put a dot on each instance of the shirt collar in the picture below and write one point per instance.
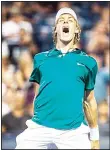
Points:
(56, 52)
(76, 50)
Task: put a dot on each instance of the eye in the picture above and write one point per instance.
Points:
(61, 20)
(70, 20)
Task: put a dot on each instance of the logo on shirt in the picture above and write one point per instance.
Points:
(79, 64)
(60, 56)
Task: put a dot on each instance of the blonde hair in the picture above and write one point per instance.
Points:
(76, 38)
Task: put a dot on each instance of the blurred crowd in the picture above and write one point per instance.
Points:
(27, 29)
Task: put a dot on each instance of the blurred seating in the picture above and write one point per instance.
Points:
(27, 30)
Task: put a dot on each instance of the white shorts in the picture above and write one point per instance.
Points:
(41, 137)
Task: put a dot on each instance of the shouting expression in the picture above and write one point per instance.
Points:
(66, 28)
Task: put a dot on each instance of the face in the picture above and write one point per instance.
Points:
(65, 28)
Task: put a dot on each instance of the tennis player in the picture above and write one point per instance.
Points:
(65, 109)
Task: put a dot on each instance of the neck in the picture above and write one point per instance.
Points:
(18, 113)
(65, 47)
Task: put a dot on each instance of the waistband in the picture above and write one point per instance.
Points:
(82, 129)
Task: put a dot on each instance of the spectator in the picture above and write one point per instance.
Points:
(29, 96)
(96, 10)
(4, 13)
(33, 49)
(25, 40)
(5, 107)
(101, 86)
(24, 69)
(101, 78)
(7, 68)
(64, 4)
(43, 22)
(17, 116)
(10, 31)
(105, 15)
(97, 39)
(103, 112)
(12, 34)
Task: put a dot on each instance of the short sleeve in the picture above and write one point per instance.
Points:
(35, 75)
(91, 77)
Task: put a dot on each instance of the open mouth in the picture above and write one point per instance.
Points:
(65, 29)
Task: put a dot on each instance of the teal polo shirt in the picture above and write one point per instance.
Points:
(63, 80)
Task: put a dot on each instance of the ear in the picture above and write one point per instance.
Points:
(77, 31)
(77, 28)
(55, 30)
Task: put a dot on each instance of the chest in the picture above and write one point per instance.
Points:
(63, 68)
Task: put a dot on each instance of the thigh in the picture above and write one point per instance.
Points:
(32, 139)
(30, 145)
(83, 141)
(74, 142)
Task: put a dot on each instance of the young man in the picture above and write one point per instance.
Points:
(66, 78)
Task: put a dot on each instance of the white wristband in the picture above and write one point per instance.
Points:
(94, 133)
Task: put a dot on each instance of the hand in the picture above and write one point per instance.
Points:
(95, 144)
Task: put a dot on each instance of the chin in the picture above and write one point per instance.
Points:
(66, 40)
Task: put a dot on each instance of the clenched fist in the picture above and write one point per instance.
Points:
(95, 144)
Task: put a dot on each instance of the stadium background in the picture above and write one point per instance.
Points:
(27, 30)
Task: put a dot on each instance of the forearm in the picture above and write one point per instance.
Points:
(90, 109)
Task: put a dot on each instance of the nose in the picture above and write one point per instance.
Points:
(66, 21)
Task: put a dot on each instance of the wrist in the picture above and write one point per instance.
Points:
(94, 133)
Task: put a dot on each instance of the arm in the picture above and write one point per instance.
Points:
(36, 88)
(90, 109)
